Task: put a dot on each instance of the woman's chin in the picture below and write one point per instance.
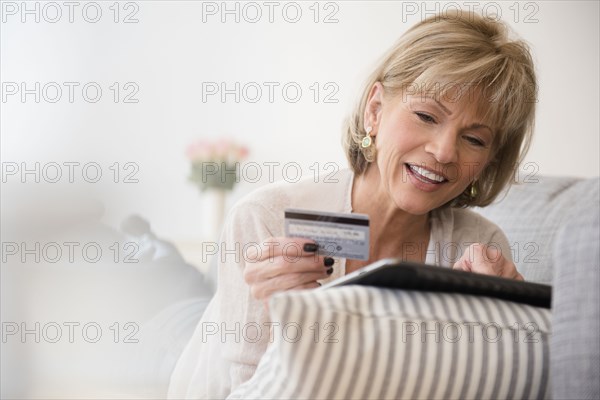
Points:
(415, 208)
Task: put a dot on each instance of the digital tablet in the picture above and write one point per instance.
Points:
(397, 274)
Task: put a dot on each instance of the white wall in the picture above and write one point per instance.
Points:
(171, 51)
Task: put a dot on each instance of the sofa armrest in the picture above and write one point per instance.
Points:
(575, 361)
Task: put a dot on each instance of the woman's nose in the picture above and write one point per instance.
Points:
(443, 147)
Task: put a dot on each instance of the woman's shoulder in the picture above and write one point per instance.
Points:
(468, 225)
(460, 227)
(469, 216)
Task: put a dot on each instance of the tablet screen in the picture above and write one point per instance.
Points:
(398, 274)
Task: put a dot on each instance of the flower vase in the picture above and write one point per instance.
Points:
(213, 214)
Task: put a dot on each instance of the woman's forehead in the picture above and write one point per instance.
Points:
(464, 99)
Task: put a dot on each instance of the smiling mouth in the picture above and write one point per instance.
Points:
(425, 175)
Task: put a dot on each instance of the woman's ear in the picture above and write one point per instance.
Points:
(373, 107)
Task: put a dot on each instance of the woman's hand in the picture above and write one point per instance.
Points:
(488, 260)
(282, 263)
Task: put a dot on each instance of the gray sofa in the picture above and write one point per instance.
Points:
(553, 225)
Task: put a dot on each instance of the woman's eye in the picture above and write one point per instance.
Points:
(475, 141)
(425, 117)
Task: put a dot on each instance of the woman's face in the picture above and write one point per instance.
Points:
(428, 151)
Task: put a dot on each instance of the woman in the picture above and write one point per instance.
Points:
(441, 125)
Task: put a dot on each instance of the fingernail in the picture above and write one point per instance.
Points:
(493, 253)
(311, 247)
(328, 261)
(330, 271)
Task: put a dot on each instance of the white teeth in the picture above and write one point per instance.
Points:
(427, 174)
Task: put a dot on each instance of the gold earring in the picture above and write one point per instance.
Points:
(367, 140)
(473, 191)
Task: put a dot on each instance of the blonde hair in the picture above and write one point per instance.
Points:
(460, 50)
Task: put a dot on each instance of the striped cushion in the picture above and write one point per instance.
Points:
(368, 343)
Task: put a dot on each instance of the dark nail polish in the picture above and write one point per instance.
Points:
(310, 247)
(328, 261)
(330, 271)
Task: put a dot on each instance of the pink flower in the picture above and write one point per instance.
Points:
(221, 150)
(242, 153)
(199, 150)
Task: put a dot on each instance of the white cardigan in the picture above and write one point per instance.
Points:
(234, 331)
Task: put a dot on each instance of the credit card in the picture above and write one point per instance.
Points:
(336, 234)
